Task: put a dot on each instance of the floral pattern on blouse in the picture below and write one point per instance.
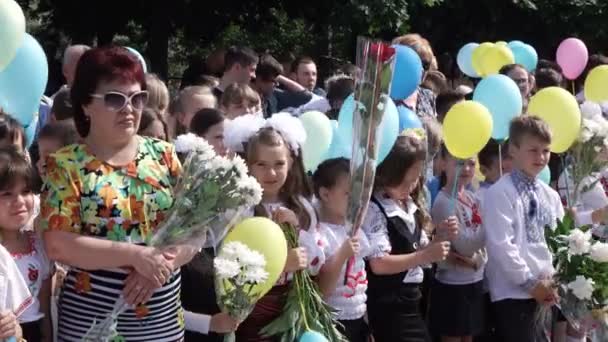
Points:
(87, 196)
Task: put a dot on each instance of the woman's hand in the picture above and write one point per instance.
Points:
(223, 323)
(138, 289)
(9, 326)
(296, 260)
(284, 215)
(448, 229)
(152, 264)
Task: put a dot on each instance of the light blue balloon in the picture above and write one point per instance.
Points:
(525, 55)
(465, 60)
(407, 74)
(140, 57)
(407, 119)
(388, 130)
(545, 175)
(30, 131)
(501, 96)
(313, 336)
(337, 149)
(23, 81)
(515, 43)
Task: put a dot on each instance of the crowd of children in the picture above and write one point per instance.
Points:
(440, 256)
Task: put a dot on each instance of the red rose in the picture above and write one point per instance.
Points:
(382, 50)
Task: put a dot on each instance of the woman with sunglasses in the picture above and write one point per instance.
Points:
(102, 202)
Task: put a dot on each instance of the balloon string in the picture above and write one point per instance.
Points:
(455, 186)
(573, 89)
(500, 158)
(564, 167)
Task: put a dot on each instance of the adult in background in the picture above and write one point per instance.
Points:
(267, 75)
(103, 200)
(423, 99)
(239, 67)
(71, 56)
(304, 71)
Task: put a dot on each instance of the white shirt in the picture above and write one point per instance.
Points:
(375, 227)
(592, 199)
(14, 294)
(513, 261)
(349, 298)
(470, 241)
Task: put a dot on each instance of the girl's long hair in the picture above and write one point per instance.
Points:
(296, 184)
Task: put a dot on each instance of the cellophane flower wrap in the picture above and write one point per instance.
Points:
(376, 61)
(239, 269)
(588, 155)
(211, 194)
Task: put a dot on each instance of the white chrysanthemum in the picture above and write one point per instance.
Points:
(255, 275)
(238, 131)
(240, 166)
(599, 252)
(585, 135)
(590, 110)
(582, 287)
(291, 129)
(579, 242)
(225, 268)
(191, 142)
(232, 250)
(253, 189)
(253, 259)
(220, 163)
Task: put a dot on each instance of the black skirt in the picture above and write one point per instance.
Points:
(457, 310)
(355, 330)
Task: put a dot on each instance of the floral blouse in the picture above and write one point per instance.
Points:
(87, 196)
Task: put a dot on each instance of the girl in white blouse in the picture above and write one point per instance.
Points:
(342, 279)
(396, 227)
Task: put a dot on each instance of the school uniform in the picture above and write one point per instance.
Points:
(394, 300)
(457, 295)
(515, 212)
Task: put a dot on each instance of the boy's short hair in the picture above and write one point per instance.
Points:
(491, 152)
(243, 56)
(445, 100)
(236, 93)
(186, 93)
(301, 60)
(62, 106)
(548, 77)
(63, 131)
(530, 125)
(268, 69)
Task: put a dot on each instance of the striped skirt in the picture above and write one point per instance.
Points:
(89, 296)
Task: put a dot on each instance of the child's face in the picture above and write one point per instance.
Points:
(408, 184)
(16, 206)
(17, 142)
(193, 105)
(215, 137)
(335, 199)
(46, 147)
(531, 156)
(270, 168)
(467, 170)
(235, 110)
(492, 173)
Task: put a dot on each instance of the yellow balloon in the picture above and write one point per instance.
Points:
(596, 84)
(495, 58)
(12, 31)
(266, 237)
(501, 43)
(476, 57)
(560, 110)
(467, 128)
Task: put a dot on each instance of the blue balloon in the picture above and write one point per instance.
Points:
(525, 55)
(30, 131)
(515, 43)
(388, 130)
(140, 57)
(313, 336)
(23, 81)
(501, 96)
(337, 149)
(465, 60)
(407, 74)
(407, 119)
(545, 175)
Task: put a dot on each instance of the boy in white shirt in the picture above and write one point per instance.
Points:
(515, 212)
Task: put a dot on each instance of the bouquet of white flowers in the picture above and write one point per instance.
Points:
(211, 194)
(582, 276)
(239, 269)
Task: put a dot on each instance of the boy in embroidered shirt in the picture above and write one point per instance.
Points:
(515, 212)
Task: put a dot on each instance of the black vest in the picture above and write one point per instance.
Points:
(390, 288)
